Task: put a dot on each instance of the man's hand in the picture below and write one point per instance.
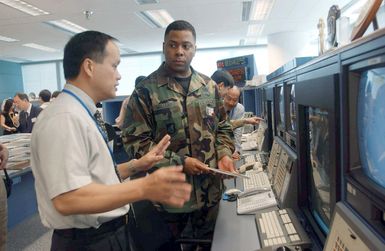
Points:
(167, 186)
(3, 156)
(194, 166)
(154, 155)
(253, 120)
(226, 164)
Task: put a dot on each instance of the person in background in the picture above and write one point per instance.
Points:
(28, 113)
(3, 200)
(55, 94)
(235, 110)
(224, 81)
(123, 109)
(44, 98)
(8, 118)
(181, 102)
(78, 186)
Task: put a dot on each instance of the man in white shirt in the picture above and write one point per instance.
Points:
(78, 188)
(236, 111)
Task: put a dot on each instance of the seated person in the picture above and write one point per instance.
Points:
(235, 112)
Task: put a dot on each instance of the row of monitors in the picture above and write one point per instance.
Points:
(333, 117)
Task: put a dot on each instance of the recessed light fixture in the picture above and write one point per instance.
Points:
(141, 2)
(156, 18)
(40, 47)
(256, 10)
(24, 7)
(66, 25)
(8, 39)
(254, 30)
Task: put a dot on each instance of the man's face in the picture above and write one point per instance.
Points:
(20, 104)
(106, 75)
(179, 50)
(231, 99)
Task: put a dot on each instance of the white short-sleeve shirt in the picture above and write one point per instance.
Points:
(68, 152)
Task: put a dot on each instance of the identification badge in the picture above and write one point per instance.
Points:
(33, 120)
(209, 111)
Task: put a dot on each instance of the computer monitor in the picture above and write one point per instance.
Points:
(280, 110)
(317, 148)
(241, 68)
(111, 109)
(292, 113)
(364, 108)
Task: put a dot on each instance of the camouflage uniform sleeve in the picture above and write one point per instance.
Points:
(225, 136)
(139, 134)
(237, 123)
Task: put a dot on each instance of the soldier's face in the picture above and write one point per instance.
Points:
(105, 74)
(179, 50)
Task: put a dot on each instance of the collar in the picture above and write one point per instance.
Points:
(28, 111)
(165, 77)
(83, 96)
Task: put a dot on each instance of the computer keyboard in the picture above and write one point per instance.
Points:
(249, 145)
(250, 159)
(257, 179)
(280, 227)
(255, 202)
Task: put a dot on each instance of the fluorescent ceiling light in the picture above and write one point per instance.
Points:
(254, 30)
(141, 2)
(40, 47)
(67, 26)
(156, 18)
(24, 7)
(246, 7)
(8, 39)
(261, 9)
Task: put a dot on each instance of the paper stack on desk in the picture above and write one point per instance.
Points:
(19, 147)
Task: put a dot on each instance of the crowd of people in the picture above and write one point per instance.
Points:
(176, 124)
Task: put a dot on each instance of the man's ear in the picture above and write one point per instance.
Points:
(220, 85)
(88, 67)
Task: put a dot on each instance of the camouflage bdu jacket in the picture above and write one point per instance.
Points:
(196, 122)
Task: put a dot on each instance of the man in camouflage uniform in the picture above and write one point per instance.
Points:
(185, 104)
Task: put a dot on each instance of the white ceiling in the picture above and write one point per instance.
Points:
(217, 23)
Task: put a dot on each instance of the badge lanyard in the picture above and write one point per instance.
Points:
(93, 118)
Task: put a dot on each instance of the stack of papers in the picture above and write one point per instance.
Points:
(19, 147)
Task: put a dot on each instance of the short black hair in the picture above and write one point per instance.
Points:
(55, 94)
(139, 79)
(223, 76)
(22, 96)
(180, 25)
(88, 44)
(45, 95)
(8, 105)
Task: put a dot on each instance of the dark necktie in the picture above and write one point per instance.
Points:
(102, 125)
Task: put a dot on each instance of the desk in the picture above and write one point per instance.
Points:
(232, 231)
(22, 202)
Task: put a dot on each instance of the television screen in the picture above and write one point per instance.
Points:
(281, 106)
(319, 173)
(371, 124)
(292, 109)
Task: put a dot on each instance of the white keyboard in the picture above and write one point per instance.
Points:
(279, 227)
(249, 145)
(257, 179)
(253, 203)
(250, 159)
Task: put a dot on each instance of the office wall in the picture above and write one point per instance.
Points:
(11, 80)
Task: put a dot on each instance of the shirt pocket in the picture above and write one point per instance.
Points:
(169, 120)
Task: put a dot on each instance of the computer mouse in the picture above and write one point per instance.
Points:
(283, 248)
(232, 191)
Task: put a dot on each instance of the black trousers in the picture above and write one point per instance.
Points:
(112, 235)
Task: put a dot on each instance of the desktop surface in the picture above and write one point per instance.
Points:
(232, 231)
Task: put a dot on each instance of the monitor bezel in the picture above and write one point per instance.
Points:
(318, 89)
(369, 197)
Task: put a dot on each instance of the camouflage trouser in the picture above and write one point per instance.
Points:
(197, 225)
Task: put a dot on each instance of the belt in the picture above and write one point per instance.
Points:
(82, 233)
